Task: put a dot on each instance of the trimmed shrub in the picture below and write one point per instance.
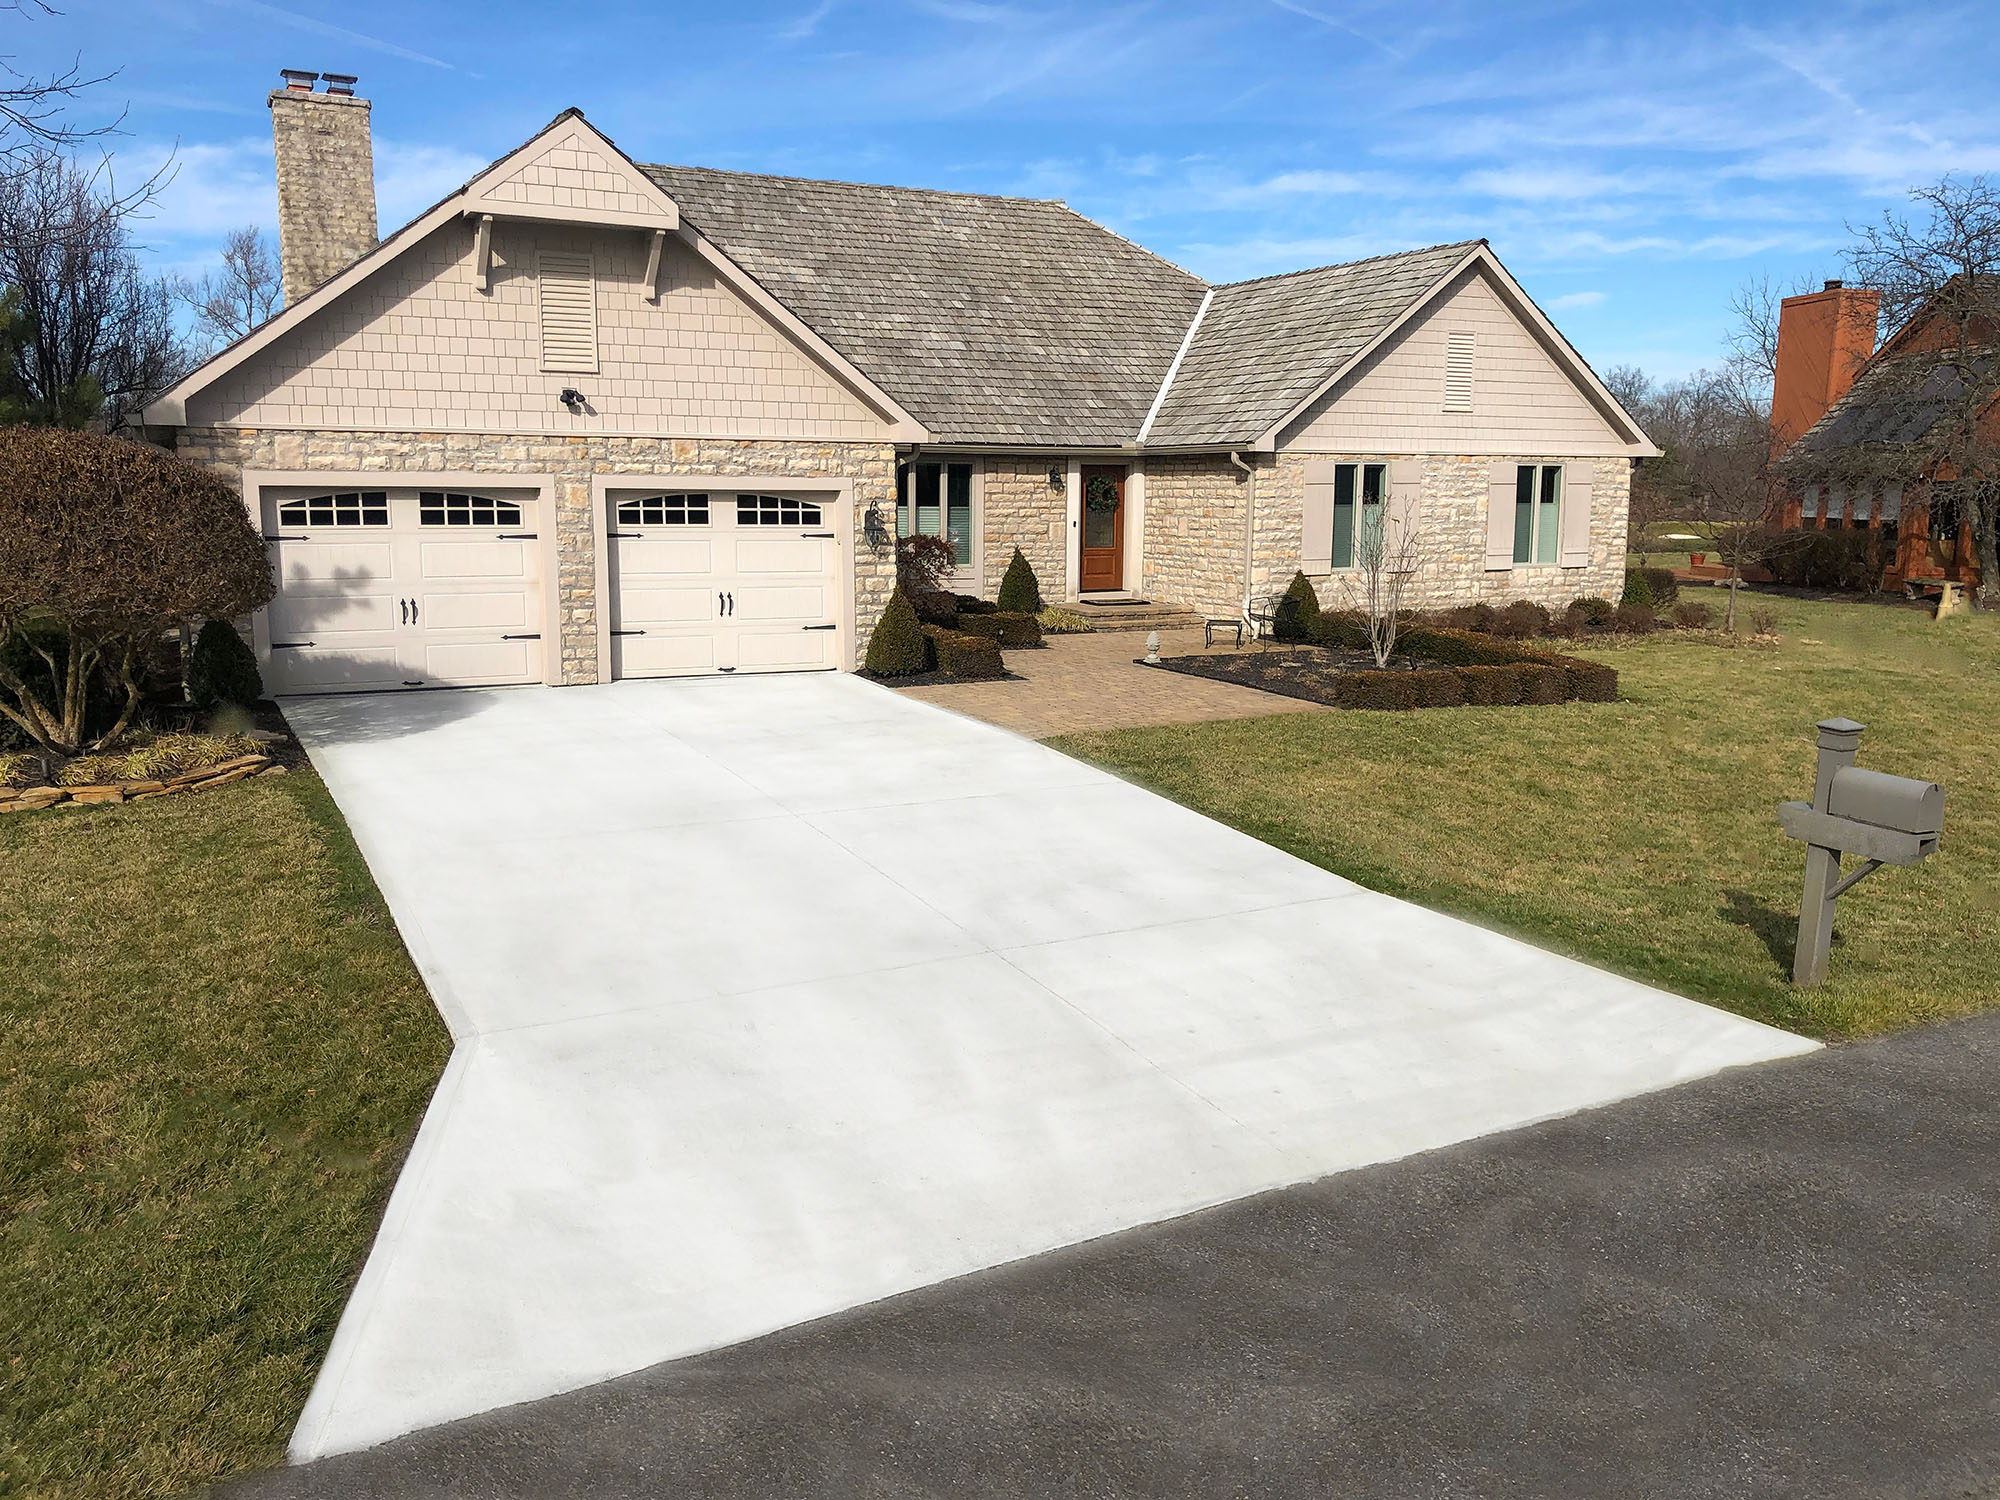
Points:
(1020, 591)
(1341, 630)
(1520, 621)
(1590, 615)
(897, 647)
(970, 657)
(936, 607)
(113, 542)
(1010, 630)
(968, 605)
(1634, 619)
(1693, 614)
(221, 669)
(1546, 682)
(1297, 612)
(1638, 588)
(1662, 585)
(1585, 681)
(1492, 687)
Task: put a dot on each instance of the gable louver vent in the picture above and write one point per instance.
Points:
(569, 313)
(1458, 372)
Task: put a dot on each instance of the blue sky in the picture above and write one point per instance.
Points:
(1632, 164)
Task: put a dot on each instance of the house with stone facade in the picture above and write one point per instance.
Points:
(587, 419)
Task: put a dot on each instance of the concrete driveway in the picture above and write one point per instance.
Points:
(775, 996)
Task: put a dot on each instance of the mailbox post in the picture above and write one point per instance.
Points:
(1887, 820)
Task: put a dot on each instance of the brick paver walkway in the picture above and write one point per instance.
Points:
(1086, 682)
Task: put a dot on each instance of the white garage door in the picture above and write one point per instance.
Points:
(722, 582)
(403, 588)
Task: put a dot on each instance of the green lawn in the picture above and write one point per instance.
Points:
(1642, 835)
(213, 1054)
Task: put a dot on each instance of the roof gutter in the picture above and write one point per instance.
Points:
(1160, 399)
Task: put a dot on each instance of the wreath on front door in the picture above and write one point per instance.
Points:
(1101, 493)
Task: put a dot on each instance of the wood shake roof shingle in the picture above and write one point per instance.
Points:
(1265, 346)
(992, 320)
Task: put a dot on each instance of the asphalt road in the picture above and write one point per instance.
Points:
(1780, 1281)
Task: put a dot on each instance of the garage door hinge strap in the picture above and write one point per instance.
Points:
(270, 538)
(819, 627)
(535, 637)
(628, 632)
(288, 645)
(517, 536)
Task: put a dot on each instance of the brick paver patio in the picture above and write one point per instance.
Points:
(1087, 682)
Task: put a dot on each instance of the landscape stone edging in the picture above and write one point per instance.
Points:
(35, 798)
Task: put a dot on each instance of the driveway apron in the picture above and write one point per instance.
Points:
(775, 996)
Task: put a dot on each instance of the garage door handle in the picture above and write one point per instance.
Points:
(535, 637)
(413, 611)
(406, 610)
(819, 627)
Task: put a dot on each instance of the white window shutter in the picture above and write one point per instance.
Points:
(1316, 552)
(1406, 492)
(569, 313)
(1458, 356)
(1573, 545)
(1500, 516)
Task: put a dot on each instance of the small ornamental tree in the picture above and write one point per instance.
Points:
(113, 543)
(1020, 590)
(924, 563)
(897, 646)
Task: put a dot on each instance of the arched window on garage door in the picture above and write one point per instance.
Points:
(664, 510)
(775, 510)
(352, 508)
(439, 508)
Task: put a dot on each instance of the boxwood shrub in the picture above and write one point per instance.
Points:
(972, 657)
(1490, 670)
(1004, 626)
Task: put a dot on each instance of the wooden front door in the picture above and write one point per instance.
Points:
(1102, 565)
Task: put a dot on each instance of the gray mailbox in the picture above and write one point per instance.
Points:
(1886, 820)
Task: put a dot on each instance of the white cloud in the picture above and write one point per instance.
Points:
(807, 24)
(410, 176)
(1577, 299)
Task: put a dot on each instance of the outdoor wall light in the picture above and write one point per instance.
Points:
(573, 399)
(873, 529)
(1055, 477)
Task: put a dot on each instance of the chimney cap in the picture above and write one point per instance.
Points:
(297, 79)
(339, 83)
(1833, 286)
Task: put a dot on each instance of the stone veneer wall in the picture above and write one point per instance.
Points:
(1451, 534)
(1194, 532)
(574, 462)
(1021, 510)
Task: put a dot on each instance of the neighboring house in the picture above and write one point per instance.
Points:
(1857, 434)
(586, 419)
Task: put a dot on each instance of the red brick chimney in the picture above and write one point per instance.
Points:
(1824, 338)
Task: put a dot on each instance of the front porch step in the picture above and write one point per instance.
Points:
(1148, 616)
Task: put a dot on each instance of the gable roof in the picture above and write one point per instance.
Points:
(993, 320)
(1895, 403)
(1265, 345)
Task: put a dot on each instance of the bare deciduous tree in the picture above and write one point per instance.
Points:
(229, 303)
(93, 337)
(31, 108)
(1937, 377)
(1385, 560)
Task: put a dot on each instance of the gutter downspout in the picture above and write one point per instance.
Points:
(1249, 535)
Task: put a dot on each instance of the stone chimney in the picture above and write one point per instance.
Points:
(326, 179)
(1824, 338)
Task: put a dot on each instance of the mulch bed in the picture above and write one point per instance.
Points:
(1296, 672)
(936, 679)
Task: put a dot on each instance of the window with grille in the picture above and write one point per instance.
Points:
(775, 510)
(355, 508)
(664, 510)
(1362, 488)
(1458, 371)
(569, 313)
(436, 508)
